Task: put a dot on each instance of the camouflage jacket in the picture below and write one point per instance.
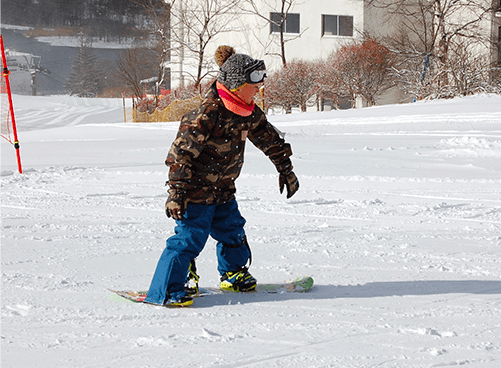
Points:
(207, 155)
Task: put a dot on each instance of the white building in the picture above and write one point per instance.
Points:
(313, 30)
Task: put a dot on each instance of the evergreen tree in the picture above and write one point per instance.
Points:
(85, 79)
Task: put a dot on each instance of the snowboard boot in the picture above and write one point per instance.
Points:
(174, 302)
(240, 280)
(191, 285)
(184, 301)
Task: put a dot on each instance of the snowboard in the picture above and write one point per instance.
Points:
(298, 285)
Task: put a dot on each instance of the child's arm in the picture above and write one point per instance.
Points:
(265, 137)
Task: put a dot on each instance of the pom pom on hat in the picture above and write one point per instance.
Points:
(223, 53)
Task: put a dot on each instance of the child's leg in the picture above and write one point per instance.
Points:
(228, 229)
(172, 268)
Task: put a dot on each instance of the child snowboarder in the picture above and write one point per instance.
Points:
(205, 159)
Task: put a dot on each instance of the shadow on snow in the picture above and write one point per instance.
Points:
(370, 290)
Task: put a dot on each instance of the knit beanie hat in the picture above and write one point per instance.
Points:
(234, 69)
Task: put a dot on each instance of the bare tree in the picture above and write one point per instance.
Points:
(426, 35)
(158, 23)
(277, 20)
(195, 23)
(469, 70)
(133, 66)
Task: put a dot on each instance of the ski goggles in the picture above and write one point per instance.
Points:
(257, 76)
(256, 72)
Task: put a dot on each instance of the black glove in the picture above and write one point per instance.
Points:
(290, 181)
(175, 206)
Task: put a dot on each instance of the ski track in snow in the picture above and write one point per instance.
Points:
(398, 220)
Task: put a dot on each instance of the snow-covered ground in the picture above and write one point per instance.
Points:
(398, 219)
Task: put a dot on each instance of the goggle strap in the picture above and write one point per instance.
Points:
(236, 89)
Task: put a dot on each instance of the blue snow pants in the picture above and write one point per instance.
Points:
(224, 223)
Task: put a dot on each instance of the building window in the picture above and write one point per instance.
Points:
(290, 25)
(337, 25)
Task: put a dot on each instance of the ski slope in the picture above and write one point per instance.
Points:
(398, 220)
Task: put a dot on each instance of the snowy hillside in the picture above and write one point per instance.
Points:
(398, 220)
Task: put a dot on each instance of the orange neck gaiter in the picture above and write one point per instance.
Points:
(232, 102)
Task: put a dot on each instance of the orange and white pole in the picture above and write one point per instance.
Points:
(6, 73)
